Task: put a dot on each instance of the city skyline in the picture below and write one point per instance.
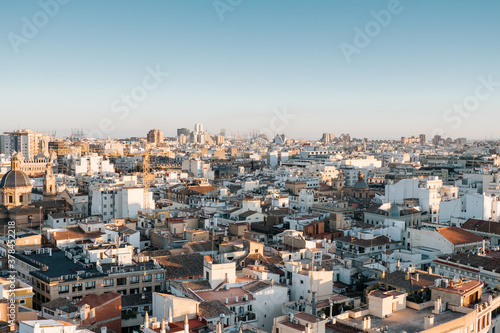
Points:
(336, 66)
(250, 166)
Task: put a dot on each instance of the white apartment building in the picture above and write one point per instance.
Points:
(429, 192)
(120, 202)
(91, 164)
(470, 206)
(198, 168)
(303, 280)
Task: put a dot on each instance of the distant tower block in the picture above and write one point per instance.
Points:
(223, 132)
(327, 137)
(198, 128)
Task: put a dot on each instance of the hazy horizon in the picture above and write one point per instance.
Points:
(232, 66)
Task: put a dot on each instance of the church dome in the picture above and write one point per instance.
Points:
(394, 211)
(361, 184)
(15, 178)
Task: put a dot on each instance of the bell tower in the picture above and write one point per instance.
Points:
(49, 183)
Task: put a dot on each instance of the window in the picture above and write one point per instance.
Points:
(108, 282)
(134, 291)
(134, 279)
(121, 281)
(63, 289)
(146, 278)
(77, 287)
(159, 276)
(90, 285)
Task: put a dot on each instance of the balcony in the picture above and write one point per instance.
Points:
(247, 317)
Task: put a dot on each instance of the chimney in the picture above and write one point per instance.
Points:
(437, 306)
(309, 328)
(186, 324)
(104, 329)
(428, 321)
(162, 327)
(429, 270)
(367, 323)
(146, 320)
(170, 319)
(84, 312)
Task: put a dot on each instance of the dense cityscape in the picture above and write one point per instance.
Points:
(206, 232)
(249, 166)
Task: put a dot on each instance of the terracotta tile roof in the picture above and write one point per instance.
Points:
(270, 262)
(75, 233)
(377, 241)
(257, 286)
(24, 210)
(470, 261)
(397, 279)
(462, 288)
(307, 317)
(63, 304)
(213, 309)
(94, 300)
(482, 226)
(202, 189)
(458, 236)
(184, 265)
(203, 246)
(231, 294)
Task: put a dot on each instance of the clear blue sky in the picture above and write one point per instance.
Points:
(264, 55)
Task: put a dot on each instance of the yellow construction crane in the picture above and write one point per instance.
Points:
(147, 177)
